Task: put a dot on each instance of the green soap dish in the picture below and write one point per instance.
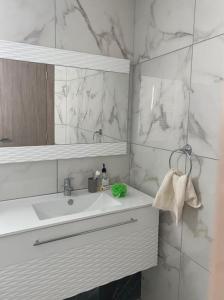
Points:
(119, 190)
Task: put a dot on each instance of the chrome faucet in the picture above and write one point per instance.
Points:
(67, 186)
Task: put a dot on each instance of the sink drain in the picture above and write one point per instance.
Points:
(70, 202)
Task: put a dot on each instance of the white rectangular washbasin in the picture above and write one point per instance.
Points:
(62, 206)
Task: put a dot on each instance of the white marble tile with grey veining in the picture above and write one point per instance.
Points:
(98, 100)
(162, 27)
(85, 98)
(100, 27)
(207, 97)
(161, 100)
(60, 93)
(148, 168)
(81, 169)
(209, 20)
(194, 280)
(115, 105)
(60, 132)
(162, 282)
(28, 179)
(89, 100)
(60, 73)
(197, 233)
(28, 21)
(76, 135)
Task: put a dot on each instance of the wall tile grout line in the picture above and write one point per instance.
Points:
(183, 253)
(179, 49)
(168, 150)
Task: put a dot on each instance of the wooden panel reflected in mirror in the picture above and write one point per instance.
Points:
(26, 103)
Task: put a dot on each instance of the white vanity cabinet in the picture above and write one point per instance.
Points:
(61, 261)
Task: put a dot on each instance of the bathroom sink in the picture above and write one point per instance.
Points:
(62, 206)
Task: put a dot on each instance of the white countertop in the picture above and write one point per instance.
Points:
(17, 216)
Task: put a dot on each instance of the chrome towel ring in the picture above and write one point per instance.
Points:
(187, 150)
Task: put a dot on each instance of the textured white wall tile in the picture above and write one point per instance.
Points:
(209, 20)
(27, 179)
(198, 224)
(194, 280)
(161, 99)
(207, 97)
(162, 282)
(96, 26)
(81, 169)
(162, 26)
(28, 21)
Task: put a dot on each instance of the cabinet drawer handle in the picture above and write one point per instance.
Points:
(38, 243)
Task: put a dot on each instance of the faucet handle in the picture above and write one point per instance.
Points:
(67, 186)
(67, 181)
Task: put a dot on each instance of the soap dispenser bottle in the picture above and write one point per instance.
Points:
(105, 178)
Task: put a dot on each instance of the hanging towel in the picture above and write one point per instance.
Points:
(176, 189)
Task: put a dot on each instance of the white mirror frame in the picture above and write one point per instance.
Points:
(53, 56)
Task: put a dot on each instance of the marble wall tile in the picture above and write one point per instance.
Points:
(198, 224)
(28, 21)
(81, 169)
(60, 134)
(194, 280)
(76, 135)
(162, 27)
(60, 73)
(28, 179)
(100, 27)
(148, 168)
(89, 100)
(161, 101)
(209, 20)
(115, 105)
(85, 99)
(207, 97)
(162, 282)
(60, 104)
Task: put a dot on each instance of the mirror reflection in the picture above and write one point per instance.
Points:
(45, 105)
(90, 106)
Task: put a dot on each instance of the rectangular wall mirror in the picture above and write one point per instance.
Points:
(42, 104)
(53, 97)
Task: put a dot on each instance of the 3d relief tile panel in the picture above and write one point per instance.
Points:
(77, 270)
(54, 152)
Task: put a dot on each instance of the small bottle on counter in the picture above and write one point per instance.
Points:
(97, 177)
(105, 179)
